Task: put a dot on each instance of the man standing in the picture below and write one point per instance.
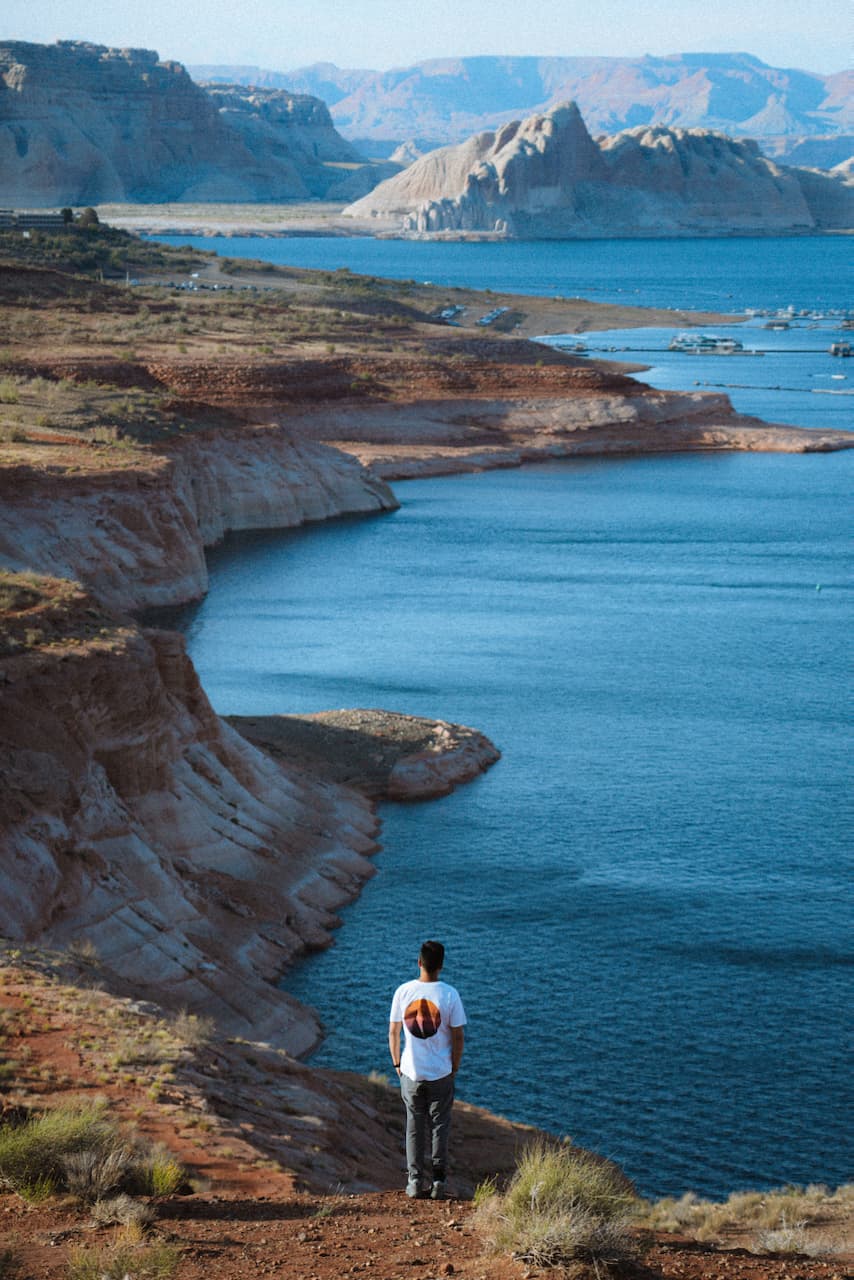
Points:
(432, 1015)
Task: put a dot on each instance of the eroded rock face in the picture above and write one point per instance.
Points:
(84, 124)
(546, 177)
(138, 535)
(134, 819)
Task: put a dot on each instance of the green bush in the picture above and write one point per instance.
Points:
(81, 1151)
(165, 1176)
(33, 1154)
(561, 1204)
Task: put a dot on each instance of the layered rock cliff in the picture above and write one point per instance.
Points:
(131, 817)
(546, 177)
(83, 124)
(137, 534)
(136, 823)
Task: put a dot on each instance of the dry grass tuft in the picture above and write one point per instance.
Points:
(124, 1262)
(561, 1205)
(783, 1221)
(121, 1210)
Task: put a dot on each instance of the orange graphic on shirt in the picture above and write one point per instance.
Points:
(422, 1019)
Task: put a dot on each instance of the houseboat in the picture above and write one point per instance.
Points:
(705, 344)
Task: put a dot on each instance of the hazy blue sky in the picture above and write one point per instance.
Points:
(817, 35)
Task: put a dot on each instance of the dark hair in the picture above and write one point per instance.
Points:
(432, 956)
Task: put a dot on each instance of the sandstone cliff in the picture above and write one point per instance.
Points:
(83, 124)
(546, 177)
(136, 821)
(131, 816)
(137, 534)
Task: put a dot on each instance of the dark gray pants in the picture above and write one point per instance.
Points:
(428, 1107)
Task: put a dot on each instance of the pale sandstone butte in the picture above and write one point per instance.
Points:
(84, 124)
(546, 177)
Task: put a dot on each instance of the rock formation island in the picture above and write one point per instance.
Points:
(546, 178)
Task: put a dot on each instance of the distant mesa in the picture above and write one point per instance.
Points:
(84, 124)
(546, 177)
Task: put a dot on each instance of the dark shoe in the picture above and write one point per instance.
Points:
(438, 1191)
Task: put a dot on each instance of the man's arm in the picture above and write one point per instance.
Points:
(458, 1039)
(394, 1043)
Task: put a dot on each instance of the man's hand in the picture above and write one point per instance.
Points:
(458, 1039)
(394, 1029)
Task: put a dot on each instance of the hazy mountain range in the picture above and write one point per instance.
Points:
(445, 100)
(85, 124)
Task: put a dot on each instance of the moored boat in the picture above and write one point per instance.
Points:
(703, 344)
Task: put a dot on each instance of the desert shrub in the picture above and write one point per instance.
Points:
(122, 1211)
(191, 1029)
(33, 1154)
(36, 1190)
(484, 1192)
(124, 1262)
(789, 1237)
(759, 1211)
(81, 1151)
(561, 1204)
(8, 1264)
(164, 1176)
(91, 1174)
(83, 950)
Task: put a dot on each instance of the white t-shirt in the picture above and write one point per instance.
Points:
(427, 1010)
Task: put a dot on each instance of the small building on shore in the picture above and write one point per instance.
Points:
(31, 219)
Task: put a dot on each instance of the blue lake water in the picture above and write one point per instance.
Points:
(694, 274)
(646, 902)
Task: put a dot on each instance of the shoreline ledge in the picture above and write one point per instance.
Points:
(385, 755)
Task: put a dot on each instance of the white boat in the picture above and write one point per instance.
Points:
(704, 344)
